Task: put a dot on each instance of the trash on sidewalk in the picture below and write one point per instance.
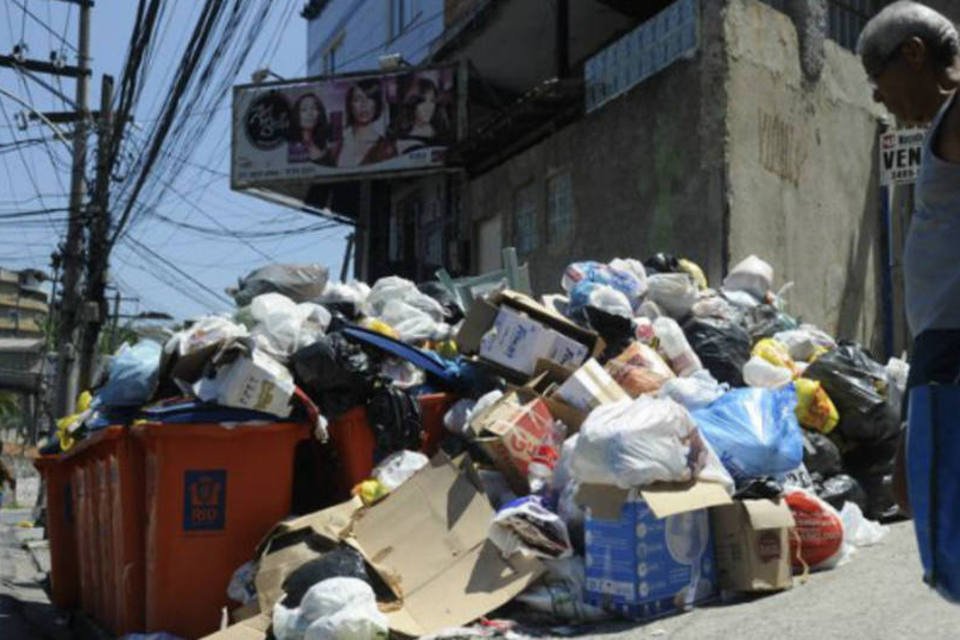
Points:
(752, 543)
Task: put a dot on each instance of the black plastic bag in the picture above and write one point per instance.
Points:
(334, 372)
(821, 455)
(842, 488)
(722, 346)
(617, 332)
(857, 385)
(661, 263)
(342, 562)
(394, 415)
(766, 488)
(765, 320)
(872, 466)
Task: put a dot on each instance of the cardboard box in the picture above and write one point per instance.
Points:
(649, 552)
(752, 541)
(515, 341)
(589, 387)
(251, 380)
(427, 541)
(483, 315)
(510, 432)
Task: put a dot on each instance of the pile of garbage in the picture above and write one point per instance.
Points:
(632, 446)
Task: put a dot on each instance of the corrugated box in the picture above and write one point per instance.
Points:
(752, 540)
(589, 387)
(649, 552)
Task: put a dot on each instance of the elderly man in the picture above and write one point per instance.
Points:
(912, 55)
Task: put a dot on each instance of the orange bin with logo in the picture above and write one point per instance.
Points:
(212, 493)
(61, 530)
(353, 441)
(95, 497)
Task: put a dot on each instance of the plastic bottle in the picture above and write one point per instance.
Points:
(643, 330)
(682, 358)
(540, 470)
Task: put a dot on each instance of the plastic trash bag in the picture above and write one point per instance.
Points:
(693, 392)
(284, 326)
(765, 321)
(242, 588)
(411, 323)
(341, 562)
(761, 374)
(840, 490)
(861, 532)
(206, 332)
(396, 289)
(774, 353)
(639, 442)
(754, 431)
(723, 347)
(818, 543)
(334, 372)
(805, 342)
(636, 269)
(623, 280)
(820, 455)
(674, 293)
(639, 370)
(752, 275)
(857, 386)
(299, 282)
(599, 296)
(693, 270)
(399, 467)
(661, 263)
(674, 346)
(710, 304)
(526, 526)
(453, 313)
(815, 409)
(559, 593)
(133, 372)
(334, 609)
(897, 373)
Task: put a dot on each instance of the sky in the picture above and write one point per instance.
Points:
(36, 175)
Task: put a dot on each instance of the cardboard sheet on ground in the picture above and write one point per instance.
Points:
(427, 541)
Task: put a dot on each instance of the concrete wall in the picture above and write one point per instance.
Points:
(364, 26)
(802, 172)
(647, 172)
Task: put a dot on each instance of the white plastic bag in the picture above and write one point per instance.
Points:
(635, 443)
(299, 282)
(336, 608)
(674, 293)
(411, 323)
(394, 288)
(858, 530)
(283, 326)
(525, 526)
(241, 588)
(752, 275)
(207, 331)
(636, 269)
(457, 419)
(693, 392)
(398, 467)
(353, 292)
(759, 373)
(897, 373)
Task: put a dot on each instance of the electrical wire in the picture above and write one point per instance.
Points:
(41, 23)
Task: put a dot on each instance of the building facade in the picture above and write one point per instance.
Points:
(604, 128)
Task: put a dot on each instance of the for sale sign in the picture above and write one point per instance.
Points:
(900, 153)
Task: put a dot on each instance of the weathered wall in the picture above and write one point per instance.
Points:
(647, 172)
(802, 172)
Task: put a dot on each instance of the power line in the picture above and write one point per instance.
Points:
(43, 25)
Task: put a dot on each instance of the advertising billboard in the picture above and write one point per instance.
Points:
(341, 128)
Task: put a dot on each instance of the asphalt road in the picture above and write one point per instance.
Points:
(877, 595)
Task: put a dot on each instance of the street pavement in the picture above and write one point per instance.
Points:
(877, 595)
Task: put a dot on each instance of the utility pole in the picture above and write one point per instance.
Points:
(97, 251)
(72, 259)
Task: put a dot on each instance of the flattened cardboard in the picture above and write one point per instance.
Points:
(428, 541)
(664, 498)
(752, 541)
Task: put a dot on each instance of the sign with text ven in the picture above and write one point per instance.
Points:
(900, 153)
(345, 127)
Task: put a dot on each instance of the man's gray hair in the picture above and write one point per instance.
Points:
(901, 21)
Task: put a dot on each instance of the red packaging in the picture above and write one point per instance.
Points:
(819, 530)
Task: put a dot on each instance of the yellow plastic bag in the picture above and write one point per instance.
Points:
(776, 353)
(815, 410)
(380, 327)
(692, 269)
(67, 424)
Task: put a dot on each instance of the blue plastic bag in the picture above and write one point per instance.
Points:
(132, 376)
(754, 431)
(933, 483)
(589, 271)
